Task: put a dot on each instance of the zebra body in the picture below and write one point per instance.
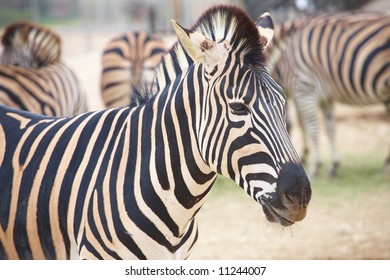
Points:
(53, 90)
(75, 209)
(342, 58)
(128, 182)
(129, 60)
(32, 75)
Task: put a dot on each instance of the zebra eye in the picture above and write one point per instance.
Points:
(239, 108)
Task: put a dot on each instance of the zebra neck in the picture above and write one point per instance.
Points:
(172, 173)
(173, 65)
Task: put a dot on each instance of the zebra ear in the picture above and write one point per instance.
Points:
(265, 26)
(197, 46)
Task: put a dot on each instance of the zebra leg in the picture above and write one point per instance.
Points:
(387, 105)
(307, 115)
(387, 165)
(387, 162)
(327, 109)
(288, 118)
(305, 146)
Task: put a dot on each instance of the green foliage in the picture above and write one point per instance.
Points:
(10, 15)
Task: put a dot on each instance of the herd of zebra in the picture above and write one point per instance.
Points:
(127, 182)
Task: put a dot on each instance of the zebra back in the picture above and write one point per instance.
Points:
(343, 53)
(128, 60)
(30, 45)
(53, 90)
(341, 57)
(33, 76)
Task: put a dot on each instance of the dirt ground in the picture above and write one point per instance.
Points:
(232, 226)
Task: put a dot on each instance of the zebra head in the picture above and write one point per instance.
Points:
(241, 131)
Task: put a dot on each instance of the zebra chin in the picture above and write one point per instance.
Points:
(285, 217)
(288, 203)
(273, 216)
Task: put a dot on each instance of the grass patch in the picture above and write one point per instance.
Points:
(223, 186)
(358, 175)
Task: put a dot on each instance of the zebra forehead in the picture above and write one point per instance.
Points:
(230, 23)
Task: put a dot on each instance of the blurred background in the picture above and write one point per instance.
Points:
(349, 215)
(87, 25)
(154, 15)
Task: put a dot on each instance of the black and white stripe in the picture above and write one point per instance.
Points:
(128, 182)
(129, 60)
(343, 57)
(33, 76)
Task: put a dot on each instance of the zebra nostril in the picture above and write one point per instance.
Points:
(293, 186)
(289, 200)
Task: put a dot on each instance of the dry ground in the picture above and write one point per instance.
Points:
(232, 226)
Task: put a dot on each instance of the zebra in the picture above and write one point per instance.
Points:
(127, 182)
(320, 60)
(33, 76)
(128, 60)
(27, 44)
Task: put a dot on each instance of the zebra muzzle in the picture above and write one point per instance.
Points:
(288, 204)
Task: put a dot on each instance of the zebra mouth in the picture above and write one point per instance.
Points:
(273, 215)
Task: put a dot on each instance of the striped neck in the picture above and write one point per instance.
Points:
(172, 174)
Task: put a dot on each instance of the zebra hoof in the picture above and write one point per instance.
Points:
(387, 167)
(313, 174)
(332, 172)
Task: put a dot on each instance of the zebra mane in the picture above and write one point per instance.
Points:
(222, 22)
(139, 95)
(232, 24)
(43, 44)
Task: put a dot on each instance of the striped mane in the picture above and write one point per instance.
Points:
(218, 23)
(232, 24)
(43, 44)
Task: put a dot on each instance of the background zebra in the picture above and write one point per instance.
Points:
(128, 182)
(32, 75)
(343, 57)
(129, 60)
